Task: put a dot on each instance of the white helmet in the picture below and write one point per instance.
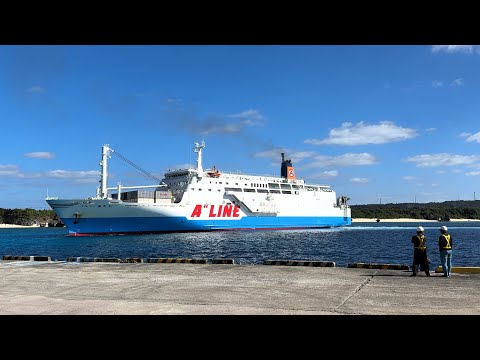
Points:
(420, 228)
(444, 228)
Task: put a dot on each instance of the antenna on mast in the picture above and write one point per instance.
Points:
(198, 149)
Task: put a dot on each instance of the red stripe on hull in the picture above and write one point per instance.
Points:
(191, 231)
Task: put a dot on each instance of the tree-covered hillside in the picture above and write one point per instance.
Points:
(428, 211)
(28, 217)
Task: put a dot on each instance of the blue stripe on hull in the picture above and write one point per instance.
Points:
(122, 225)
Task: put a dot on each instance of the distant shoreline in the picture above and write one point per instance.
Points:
(13, 226)
(358, 220)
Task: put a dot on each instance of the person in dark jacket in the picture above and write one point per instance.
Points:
(445, 245)
(420, 257)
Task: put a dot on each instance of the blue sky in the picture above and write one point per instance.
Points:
(380, 124)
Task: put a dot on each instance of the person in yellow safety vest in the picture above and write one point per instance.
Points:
(445, 244)
(420, 252)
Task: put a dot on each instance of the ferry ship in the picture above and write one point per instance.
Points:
(197, 199)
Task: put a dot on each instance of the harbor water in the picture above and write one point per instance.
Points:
(383, 242)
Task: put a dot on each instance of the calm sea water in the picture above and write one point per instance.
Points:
(361, 242)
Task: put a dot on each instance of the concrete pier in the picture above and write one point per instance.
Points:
(61, 287)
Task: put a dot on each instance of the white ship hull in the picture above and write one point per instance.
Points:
(206, 201)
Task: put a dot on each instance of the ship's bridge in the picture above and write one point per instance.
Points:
(177, 173)
(177, 182)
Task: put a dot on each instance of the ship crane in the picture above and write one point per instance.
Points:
(106, 154)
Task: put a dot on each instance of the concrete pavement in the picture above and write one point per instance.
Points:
(58, 287)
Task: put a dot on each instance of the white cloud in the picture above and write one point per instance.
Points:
(435, 185)
(36, 89)
(216, 124)
(14, 171)
(473, 173)
(298, 156)
(471, 138)
(87, 180)
(40, 155)
(465, 134)
(9, 170)
(77, 175)
(457, 82)
(230, 128)
(251, 117)
(318, 161)
(452, 48)
(331, 173)
(443, 159)
(359, 180)
(348, 159)
(4, 173)
(457, 171)
(252, 114)
(211, 123)
(408, 178)
(222, 128)
(275, 155)
(248, 122)
(361, 133)
(430, 130)
(325, 174)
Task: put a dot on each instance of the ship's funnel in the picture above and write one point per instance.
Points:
(287, 170)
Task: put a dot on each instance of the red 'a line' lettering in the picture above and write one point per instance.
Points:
(197, 211)
(223, 211)
(227, 211)
(211, 214)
